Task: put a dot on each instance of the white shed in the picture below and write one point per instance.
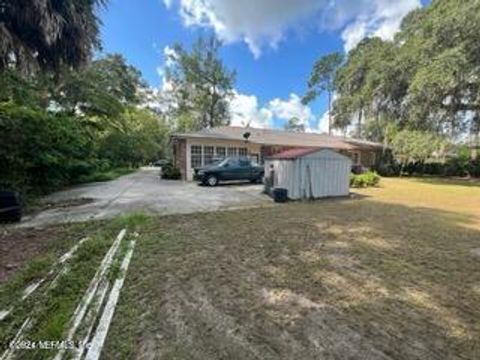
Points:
(310, 173)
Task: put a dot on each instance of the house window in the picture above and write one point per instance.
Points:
(242, 152)
(220, 152)
(208, 155)
(195, 156)
(232, 151)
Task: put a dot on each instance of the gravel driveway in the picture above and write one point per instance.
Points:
(144, 191)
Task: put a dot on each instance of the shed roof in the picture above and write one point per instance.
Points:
(293, 154)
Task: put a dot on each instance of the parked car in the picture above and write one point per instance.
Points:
(10, 207)
(231, 168)
(160, 163)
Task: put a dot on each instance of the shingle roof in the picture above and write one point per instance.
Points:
(279, 137)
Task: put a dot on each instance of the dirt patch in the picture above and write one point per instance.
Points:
(19, 246)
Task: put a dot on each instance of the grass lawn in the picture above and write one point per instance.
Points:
(393, 273)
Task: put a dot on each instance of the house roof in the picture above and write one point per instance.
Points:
(280, 137)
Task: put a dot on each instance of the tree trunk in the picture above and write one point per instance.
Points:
(329, 113)
(359, 125)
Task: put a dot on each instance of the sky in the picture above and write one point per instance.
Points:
(271, 44)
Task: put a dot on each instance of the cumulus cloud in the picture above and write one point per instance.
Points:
(382, 20)
(263, 23)
(291, 108)
(246, 111)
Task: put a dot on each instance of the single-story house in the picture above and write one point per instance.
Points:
(200, 148)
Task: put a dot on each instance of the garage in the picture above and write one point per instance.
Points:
(310, 173)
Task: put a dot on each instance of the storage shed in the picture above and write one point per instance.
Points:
(310, 173)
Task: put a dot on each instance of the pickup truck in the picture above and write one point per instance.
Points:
(230, 168)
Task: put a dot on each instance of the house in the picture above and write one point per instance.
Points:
(200, 148)
(310, 173)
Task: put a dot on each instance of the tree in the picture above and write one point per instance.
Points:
(410, 146)
(202, 85)
(322, 79)
(103, 88)
(425, 79)
(294, 125)
(48, 34)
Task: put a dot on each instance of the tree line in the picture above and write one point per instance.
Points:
(419, 93)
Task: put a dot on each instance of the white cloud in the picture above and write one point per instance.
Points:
(323, 123)
(383, 20)
(257, 23)
(263, 23)
(245, 111)
(293, 107)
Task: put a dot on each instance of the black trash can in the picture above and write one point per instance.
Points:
(280, 195)
(10, 207)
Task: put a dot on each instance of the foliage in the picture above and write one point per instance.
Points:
(103, 88)
(425, 79)
(295, 125)
(322, 80)
(201, 84)
(367, 179)
(140, 137)
(170, 172)
(83, 127)
(417, 146)
(48, 34)
(40, 151)
(108, 175)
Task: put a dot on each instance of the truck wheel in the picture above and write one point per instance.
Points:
(258, 179)
(212, 180)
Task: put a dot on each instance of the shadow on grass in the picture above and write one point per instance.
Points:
(329, 279)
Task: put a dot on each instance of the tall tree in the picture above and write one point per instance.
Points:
(425, 79)
(103, 88)
(48, 34)
(201, 84)
(322, 79)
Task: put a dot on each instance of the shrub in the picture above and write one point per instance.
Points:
(170, 172)
(367, 179)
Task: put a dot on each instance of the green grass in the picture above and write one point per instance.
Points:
(108, 175)
(52, 309)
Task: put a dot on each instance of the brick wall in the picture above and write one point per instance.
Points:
(180, 156)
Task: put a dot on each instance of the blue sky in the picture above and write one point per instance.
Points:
(272, 44)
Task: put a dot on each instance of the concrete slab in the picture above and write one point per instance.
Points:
(144, 191)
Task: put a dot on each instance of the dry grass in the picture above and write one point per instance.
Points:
(392, 274)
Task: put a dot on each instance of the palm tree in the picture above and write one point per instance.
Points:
(48, 34)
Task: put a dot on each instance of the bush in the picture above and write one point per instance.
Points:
(367, 179)
(170, 172)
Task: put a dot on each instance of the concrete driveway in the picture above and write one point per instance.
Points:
(144, 191)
